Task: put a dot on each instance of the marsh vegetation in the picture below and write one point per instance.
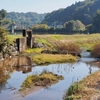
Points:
(58, 49)
(44, 79)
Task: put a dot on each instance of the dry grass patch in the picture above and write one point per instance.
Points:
(67, 48)
(84, 40)
(85, 89)
(96, 51)
(50, 58)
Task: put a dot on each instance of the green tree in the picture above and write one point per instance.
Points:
(79, 26)
(69, 26)
(96, 21)
(2, 15)
(74, 26)
(40, 27)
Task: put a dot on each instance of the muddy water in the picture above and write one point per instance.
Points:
(20, 68)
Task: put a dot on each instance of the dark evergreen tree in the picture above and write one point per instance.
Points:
(96, 22)
(2, 14)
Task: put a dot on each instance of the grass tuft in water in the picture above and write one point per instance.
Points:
(44, 79)
(50, 58)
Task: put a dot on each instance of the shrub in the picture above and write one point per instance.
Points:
(3, 38)
(74, 89)
(67, 48)
(96, 51)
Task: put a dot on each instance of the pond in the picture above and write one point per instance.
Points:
(22, 68)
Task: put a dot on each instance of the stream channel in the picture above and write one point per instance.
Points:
(21, 68)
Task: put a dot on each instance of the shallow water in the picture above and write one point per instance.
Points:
(71, 72)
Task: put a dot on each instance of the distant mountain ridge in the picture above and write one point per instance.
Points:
(28, 18)
(82, 11)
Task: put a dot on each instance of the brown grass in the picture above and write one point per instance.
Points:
(67, 48)
(96, 51)
(90, 86)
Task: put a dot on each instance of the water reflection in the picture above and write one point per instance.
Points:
(4, 74)
(23, 64)
(10, 65)
(71, 72)
(93, 64)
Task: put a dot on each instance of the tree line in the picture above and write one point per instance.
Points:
(72, 26)
(82, 10)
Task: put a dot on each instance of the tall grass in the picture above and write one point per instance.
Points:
(83, 40)
(96, 51)
(67, 48)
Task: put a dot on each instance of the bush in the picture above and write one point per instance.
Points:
(74, 89)
(3, 38)
(67, 48)
(96, 51)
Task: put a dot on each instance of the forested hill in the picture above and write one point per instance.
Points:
(82, 11)
(25, 18)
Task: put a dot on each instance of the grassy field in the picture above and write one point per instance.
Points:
(84, 40)
(11, 38)
(80, 90)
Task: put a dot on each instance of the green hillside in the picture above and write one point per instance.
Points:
(82, 11)
(25, 18)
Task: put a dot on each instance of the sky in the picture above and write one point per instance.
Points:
(39, 6)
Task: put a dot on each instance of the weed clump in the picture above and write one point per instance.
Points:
(44, 79)
(96, 51)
